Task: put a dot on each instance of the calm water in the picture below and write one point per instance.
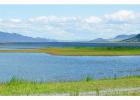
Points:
(45, 67)
(63, 44)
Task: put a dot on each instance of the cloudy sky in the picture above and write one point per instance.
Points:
(70, 22)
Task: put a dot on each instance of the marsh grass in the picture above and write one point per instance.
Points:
(23, 87)
(14, 80)
(97, 91)
(88, 78)
(115, 76)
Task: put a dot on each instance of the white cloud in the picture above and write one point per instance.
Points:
(56, 19)
(124, 16)
(73, 28)
(1, 20)
(93, 19)
(14, 20)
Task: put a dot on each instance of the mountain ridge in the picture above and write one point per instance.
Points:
(14, 37)
(117, 38)
(133, 39)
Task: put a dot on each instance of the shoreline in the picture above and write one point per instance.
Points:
(80, 51)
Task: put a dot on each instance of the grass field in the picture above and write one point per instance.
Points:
(84, 51)
(21, 87)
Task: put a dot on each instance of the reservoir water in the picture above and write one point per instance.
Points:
(63, 44)
(45, 67)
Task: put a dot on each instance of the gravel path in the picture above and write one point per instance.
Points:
(101, 92)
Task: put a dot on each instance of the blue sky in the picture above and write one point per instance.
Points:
(7, 11)
(70, 22)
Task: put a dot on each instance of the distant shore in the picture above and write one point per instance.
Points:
(82, 51)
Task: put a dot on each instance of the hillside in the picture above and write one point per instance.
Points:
(14, 37)
(116, 38)
(122, 37)
(133, 39)
(99, 40)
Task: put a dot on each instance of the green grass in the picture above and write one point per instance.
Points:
(84, 51)
(22, 87)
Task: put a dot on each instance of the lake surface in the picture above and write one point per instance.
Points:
(45, 67)
(63, 44)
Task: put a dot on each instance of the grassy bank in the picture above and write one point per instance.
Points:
(20, 87)
(84, 51)
(93, 51)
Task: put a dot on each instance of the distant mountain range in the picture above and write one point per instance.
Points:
(136, 38)
(99, 40)
(115, 39)
(122, 37)
(14, 37)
